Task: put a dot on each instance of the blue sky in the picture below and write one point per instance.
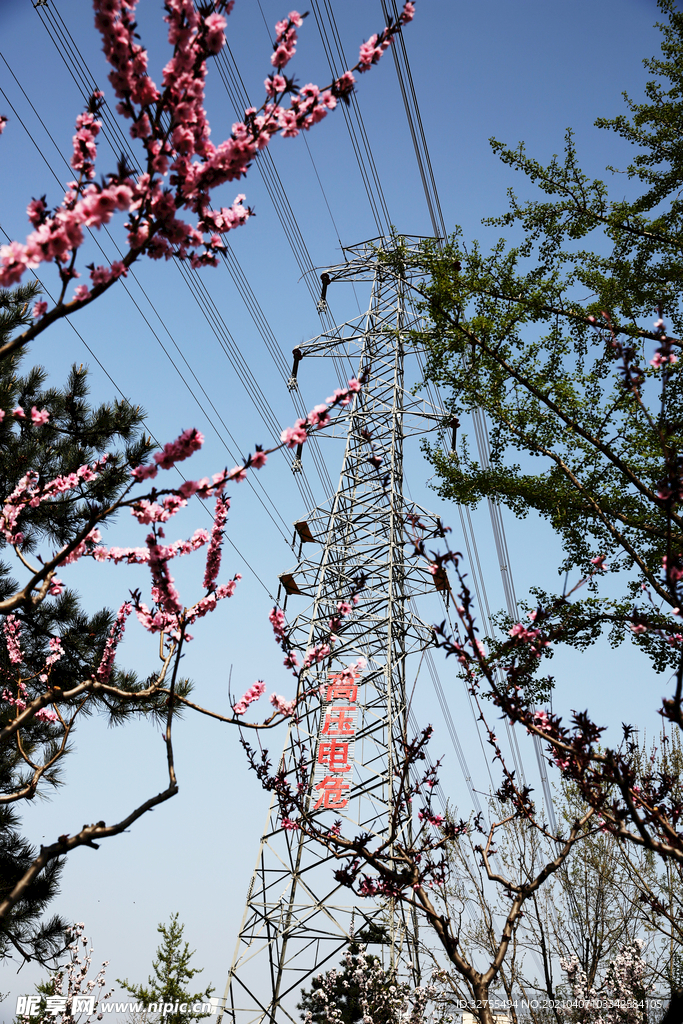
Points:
(524, 70)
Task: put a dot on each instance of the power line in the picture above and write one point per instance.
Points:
(417, 134)
(353, 118)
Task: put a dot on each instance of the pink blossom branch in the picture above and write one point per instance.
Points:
(170, 616)
(648, 812)
(171, 124)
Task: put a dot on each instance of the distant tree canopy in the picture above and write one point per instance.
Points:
(360, 987)
(569, 343)
(172, 972)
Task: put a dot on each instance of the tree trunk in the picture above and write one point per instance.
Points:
(482, 1011)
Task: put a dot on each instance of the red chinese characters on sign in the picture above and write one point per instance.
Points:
(334, 755)
(339, 722)
(331, 789)
(340, 688)
(334, 758)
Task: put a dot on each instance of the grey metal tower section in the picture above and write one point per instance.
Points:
(297, 917)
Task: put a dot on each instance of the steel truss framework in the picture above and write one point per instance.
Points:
(297, 919)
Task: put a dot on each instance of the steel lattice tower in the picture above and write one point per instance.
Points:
(297, 918)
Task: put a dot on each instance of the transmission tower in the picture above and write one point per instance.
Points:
(297, 918)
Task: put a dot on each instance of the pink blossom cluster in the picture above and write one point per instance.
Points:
(12, 629)
(258, 459)
(61, 484)
(253, 693)
(344, 609)
(541, 721)
(152, 512)
(520, 631)
(662, 359)
(306, 109)
(55, 645)
(285, 39)
(296, 435)
(102, 275)
(29, 493)
(276, 618)
(344, 86)
(208, 604)
(140, 556)
(38, 416)
(432, 819)
(282, 706)
(319, 415)
(479, 648)
(164, 622)
(318, 653)
(664, 355)
(203, 488)
(156, 622)
(275, 84)
(562, 760)
(529, 636)
(372, 50)
(104, 669)
(206, 488)
(18, 702)
(163, 589)
(85, 148)
(344, 396)
(189, 442)
(86, 546)
(376, 886)
(377, 44)
(671, 570)
(277, 621)
(61, 234)
(46, 715)
(213, 556)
